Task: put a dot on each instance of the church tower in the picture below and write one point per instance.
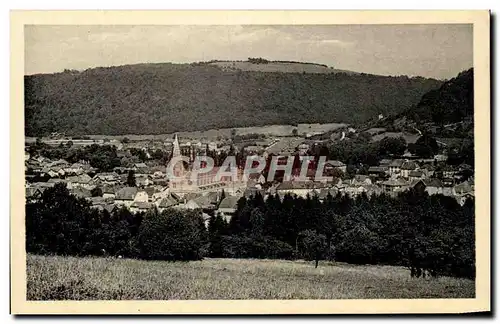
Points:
(177, 148)
(176, 152)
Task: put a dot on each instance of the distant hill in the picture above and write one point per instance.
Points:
(165, 98)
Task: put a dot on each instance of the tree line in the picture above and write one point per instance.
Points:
(428, 234)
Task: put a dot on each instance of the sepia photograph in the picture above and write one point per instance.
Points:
(283, 159)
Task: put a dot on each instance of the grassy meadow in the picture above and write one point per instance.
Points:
(71, 278)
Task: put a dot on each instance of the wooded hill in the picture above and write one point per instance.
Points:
(164, 98)
(452, 102)
(446, 111)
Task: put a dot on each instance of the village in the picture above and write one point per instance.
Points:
(151, 187)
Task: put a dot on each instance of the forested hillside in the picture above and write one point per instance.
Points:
(450, 103)
(164, 98)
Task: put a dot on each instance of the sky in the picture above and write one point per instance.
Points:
(435, 51)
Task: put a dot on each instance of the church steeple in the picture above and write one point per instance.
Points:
(177, 149)
(176, 153)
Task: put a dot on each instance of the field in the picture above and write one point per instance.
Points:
(213, 134)
(283, 67)
(56, 278)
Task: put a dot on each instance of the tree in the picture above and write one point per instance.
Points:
(158, 154)
(314, 245)
(217, 227)
(256, 222)
(222, 195)
(426, 146)
(295, 132)
(392, 146)
(141, 154)
(131, 179)
(171, 235)
(423, 150)
(96, 192)
(125, 140)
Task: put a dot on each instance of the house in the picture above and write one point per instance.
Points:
(394, 185)
(97, 202)
(428, 170)
(310, 174)
(449, 171)
(335, 182)
(228, 206)
(105, 207)
(42, 185)
(125, 196)
(360, 179)
(106, 178)
(58, 180)
(324, 192)
(141, 196)
(150, 191)
(407, 167)
(465, 167)
(432, 186)
(168, 202)
(160, 181)
(60, 163)
(214, 197)
(53, 172)
(354, 190)
(190, 196)
(385, 163)
(374, 189)
(158, 175)
(462, 188)
(303, 148)
(141, 168)
(416, 175)
(204, 202)
(256, 177)
(32, 166)
(253, 149)
(440, 157)
(161, 193)
(108, 192)
(33, 193)
(81, 192)
(140, 206)
(378, 172)
(395, 167)
(298, 188)
(189, 204)
(253, 191)
(336, 164)
(74, 169)
(83, 181)
(461, 199)
(143, 180)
